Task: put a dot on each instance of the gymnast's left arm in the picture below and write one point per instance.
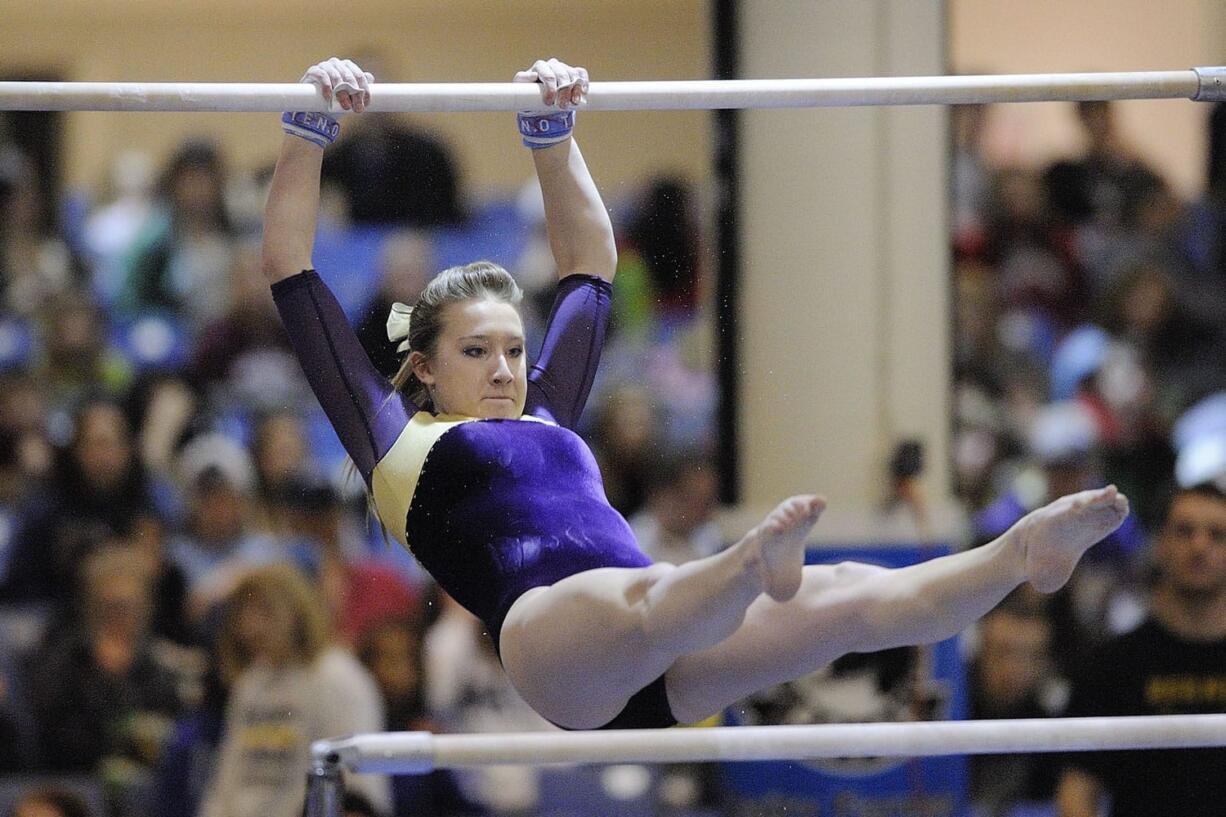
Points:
(580, 233)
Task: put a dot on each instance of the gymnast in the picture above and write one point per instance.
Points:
(471, 461)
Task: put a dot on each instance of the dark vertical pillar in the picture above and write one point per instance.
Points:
(728, 251)
(37, 135)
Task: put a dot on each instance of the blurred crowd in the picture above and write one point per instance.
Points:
(1089, 349)
(191, 586)
(192, 589)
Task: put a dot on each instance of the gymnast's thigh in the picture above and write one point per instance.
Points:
(576, 649)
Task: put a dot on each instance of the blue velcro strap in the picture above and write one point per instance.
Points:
(540, 130)
(318, 128)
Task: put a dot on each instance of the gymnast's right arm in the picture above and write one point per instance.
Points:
(361, 404)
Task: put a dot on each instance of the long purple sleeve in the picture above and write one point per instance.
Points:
(366, 412)
(561, 378)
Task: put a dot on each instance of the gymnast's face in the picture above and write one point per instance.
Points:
(479, 368)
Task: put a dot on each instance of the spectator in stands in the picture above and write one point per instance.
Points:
(218, 545)
(50, 801)
(624, 442)
(189, 756)
(13, 488)
(392, 651)
(969, 179)
(982, 442)
(279, 454)
(23, 411)
(242, 359)
(35, 263)
(1183, 354)
(355, 805)
(1038, 271)
(169, 616)
(1174, 663)
(467, 691)
(164, 411)
(290, 686)
(406, 265)
(111, 228)
(76, 359)
(14, 749)
(358, 591)
(98, 693)
(1013, 676)
(98, 490)
(393, 174)
(1115, 176)
(677, 523)
(1109, 384)
(1202, 249)
(185, 247)
(664, 234)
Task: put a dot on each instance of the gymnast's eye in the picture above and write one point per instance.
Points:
(515, 351)
(474, 351)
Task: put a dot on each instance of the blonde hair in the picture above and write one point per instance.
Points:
(282, 588)
(478, 280)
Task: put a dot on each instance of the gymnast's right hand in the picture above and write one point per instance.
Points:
(344, 80)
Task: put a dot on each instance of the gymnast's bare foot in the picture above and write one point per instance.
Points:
(776, 547)
(1054, 537)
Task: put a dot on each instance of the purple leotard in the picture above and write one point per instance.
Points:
(500, 506)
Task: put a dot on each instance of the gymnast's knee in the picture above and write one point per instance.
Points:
(648, 577)
(648, 625)
(856, 571)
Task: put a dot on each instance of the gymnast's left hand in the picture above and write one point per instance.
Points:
(561, 84)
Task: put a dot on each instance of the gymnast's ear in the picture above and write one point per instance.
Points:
(421, 367)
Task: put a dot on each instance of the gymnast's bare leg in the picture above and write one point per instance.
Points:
(752, 616)
(862, 608)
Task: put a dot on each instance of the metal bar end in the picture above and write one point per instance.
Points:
(1211, 84)
(325, 786)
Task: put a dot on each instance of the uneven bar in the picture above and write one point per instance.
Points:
(1202, 84)
(417, 752)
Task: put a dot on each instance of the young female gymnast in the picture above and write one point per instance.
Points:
(473, 464)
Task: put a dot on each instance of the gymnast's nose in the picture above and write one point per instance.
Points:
(502, 374)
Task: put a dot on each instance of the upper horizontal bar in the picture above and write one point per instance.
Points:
(1205, 84)
(417, 752)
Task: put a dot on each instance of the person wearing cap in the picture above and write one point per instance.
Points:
(360, 592)
(1064, 447)
(217, 545)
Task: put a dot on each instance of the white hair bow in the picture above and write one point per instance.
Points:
(398, 325)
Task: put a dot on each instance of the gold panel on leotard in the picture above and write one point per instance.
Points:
(394, 480)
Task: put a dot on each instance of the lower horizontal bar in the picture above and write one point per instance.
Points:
(416, 752)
